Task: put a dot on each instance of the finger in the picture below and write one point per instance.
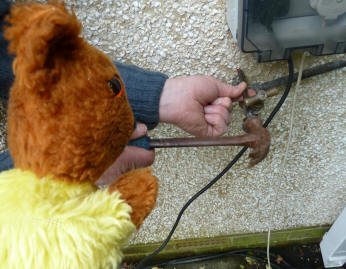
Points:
(218, 110)
(230, 91)
(207, 89)
(251, 92)
(225, 102)
(217, 125)
(141, 130)
(138, 157)
(131, 158)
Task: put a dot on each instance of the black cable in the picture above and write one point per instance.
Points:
(229, 166)
(241, 252)
(263, 252)
(273, 265)
(211, 183)
(160, 265)
(285, 94)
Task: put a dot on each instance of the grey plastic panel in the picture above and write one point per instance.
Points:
(273, 28)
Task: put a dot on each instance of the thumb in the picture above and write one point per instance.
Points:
(141, 130)
(131, 158)
(233, 92)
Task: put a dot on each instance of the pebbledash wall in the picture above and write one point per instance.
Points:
(190, 37)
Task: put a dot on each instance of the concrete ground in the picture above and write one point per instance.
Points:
(191, 37)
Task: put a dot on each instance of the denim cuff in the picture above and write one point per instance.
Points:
(143, 90)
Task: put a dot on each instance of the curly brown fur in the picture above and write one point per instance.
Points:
(139, 189)
(64, 119)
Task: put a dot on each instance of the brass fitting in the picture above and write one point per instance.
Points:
(260, 96)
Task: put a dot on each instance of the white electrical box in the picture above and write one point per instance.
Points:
(333, 245)
(274, 28)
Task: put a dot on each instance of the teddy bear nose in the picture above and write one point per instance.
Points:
(115, 85)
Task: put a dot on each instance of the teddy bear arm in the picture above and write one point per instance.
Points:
(139, 189)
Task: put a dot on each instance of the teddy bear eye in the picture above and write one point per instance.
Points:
(115, 84)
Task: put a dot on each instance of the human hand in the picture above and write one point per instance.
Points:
(200, 105)
(131, 158)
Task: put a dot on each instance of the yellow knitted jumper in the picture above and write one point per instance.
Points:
(54, 224)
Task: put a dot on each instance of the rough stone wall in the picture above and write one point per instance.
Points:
(191, 37)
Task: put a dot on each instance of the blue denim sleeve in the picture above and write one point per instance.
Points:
(6, 77)
(6, 162)
(143, 90)
(6, 74)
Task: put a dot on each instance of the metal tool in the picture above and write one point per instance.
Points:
(261, 96)
(268, 89)
(257, 138)
(251, 105)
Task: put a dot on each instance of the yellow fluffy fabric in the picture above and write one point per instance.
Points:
(53, 224)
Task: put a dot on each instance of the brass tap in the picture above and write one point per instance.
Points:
(260, 96)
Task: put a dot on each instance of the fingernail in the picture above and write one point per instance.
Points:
(142, 128)
(223, 101)
(242, 85)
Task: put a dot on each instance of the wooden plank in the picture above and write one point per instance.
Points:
(198, 246)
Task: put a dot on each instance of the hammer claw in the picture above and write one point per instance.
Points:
(260, 148)
(258, 154)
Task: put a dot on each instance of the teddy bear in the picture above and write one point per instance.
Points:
(68, 121)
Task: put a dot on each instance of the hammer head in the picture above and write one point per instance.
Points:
(261, 139)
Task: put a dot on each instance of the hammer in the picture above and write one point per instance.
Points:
(257, 138)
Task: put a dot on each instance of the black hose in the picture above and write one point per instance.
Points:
(248, 252)
(307, 73)
(229, 166)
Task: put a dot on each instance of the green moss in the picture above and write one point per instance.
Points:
(189, 247)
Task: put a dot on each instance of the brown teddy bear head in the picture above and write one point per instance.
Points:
(68, 111)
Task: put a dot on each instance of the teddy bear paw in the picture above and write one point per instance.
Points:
(139, 189)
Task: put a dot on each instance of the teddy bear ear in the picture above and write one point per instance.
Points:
(36, 30)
